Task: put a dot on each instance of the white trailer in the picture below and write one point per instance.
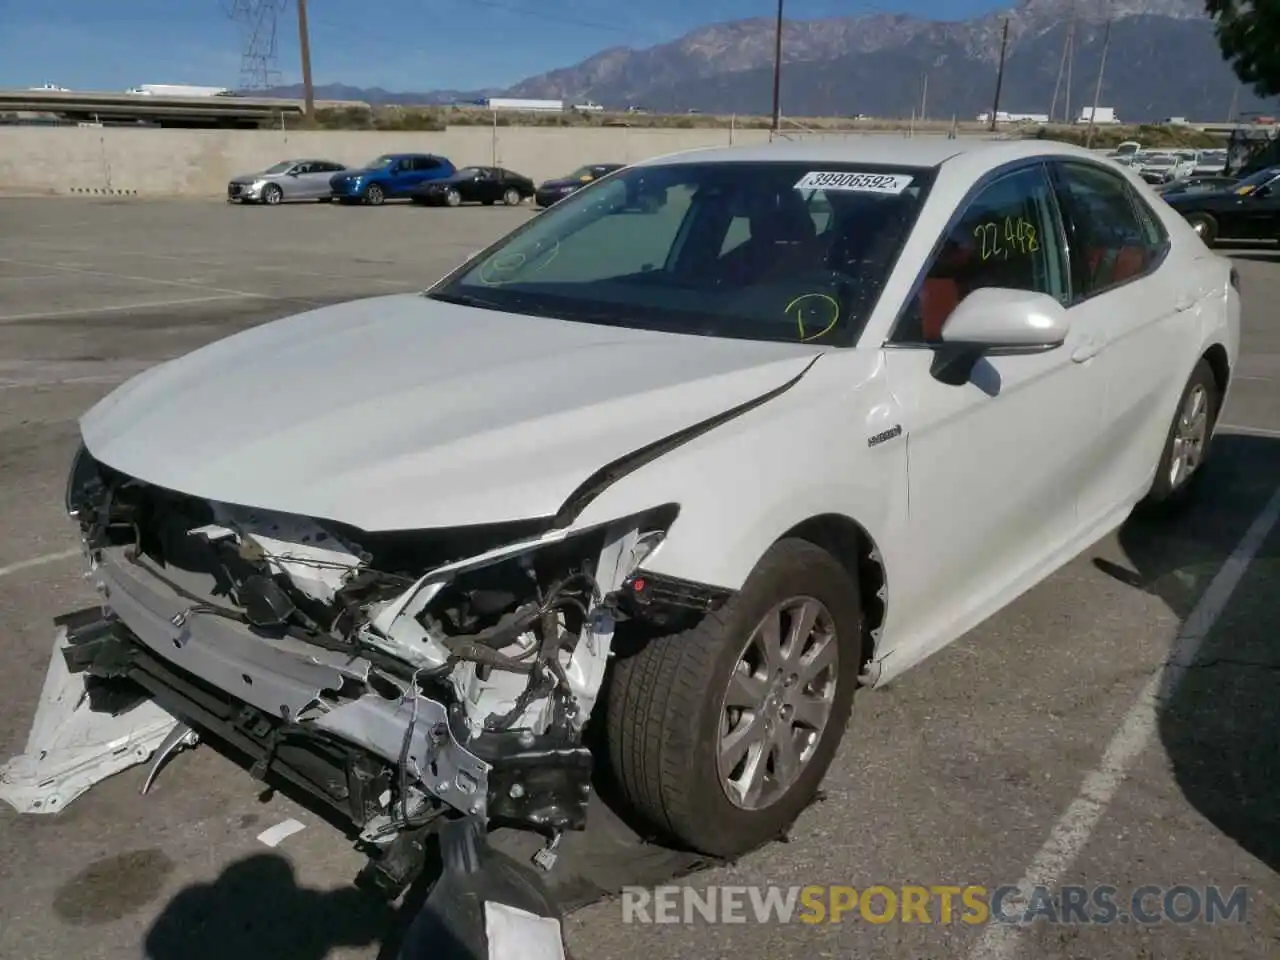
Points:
(515, 103)
(177, 90)
(1100, 115)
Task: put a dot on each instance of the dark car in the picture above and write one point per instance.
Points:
(1249, 209)
(390, 176)
(485, 185)
(553, 191)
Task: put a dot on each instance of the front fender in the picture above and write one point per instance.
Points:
(746, 483)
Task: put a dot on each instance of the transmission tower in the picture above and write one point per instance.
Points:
(257, 20)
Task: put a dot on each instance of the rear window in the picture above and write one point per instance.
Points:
(769, 251)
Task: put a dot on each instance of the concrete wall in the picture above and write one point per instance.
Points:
(198, 163)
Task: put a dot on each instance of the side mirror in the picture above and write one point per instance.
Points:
(998, 320)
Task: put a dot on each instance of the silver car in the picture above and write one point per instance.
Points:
(287, 180)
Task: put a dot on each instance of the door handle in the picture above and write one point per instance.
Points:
(1086, 349)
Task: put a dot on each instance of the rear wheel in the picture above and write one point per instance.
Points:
(1187, 445)
(374, 195)
(721, 735)
(1205, 226)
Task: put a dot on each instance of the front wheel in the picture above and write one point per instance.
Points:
(720, 736)
(453, 198)
(1186, 446)
(511, 197)
(374, 195)
(272, 194)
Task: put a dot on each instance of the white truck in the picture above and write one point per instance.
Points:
(1100, 115)
(177, 90)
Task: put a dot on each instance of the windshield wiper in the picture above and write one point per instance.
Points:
(467, 300)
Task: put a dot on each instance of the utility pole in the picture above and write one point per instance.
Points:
(1235, 104)
(1062, 65)
(1097, 90)
(1071, 62)
(1004, 43)
(924, 96)
(304, 45)
(777, 73)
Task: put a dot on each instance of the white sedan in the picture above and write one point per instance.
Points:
(685, 460)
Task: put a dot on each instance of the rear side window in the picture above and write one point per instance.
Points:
(1112, 242)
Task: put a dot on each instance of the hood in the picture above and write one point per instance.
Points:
(1201, 196)
(562, 182)
(351, 174)
(402, 412)
(250, 177)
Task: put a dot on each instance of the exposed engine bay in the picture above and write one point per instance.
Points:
(399, 677)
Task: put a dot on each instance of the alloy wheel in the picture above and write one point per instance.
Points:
(778, 701)
(1189, 436)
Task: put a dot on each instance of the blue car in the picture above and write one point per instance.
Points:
(390, 176)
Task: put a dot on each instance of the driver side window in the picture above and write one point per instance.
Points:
(1006, 237)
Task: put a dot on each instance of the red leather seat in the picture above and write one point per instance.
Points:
(1106, 268)
(938, 297)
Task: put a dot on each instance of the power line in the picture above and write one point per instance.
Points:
(257, 20)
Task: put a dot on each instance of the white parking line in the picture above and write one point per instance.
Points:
(33, 276)
(38, 561)
(223, 265)
(145, 305)
(1071, 833)
(189, 284)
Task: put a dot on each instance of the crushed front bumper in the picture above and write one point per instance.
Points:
(258, 694)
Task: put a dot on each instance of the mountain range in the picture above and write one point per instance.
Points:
(1162, 60)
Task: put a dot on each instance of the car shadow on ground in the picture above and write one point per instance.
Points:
(255, 910)
(1220, 726)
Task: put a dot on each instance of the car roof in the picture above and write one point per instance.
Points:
(882, 149)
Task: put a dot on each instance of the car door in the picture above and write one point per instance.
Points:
(399, 178)
(994, 464)
(1142, 307)
(489, 186)
(1260, 212)
(314, 181)
(424, 169)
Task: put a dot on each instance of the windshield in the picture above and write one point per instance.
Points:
(469, 172)
(1259, 178)
(767, 251)
(379, 163)
(279, 167)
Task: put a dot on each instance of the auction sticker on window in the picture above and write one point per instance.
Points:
(856, 182)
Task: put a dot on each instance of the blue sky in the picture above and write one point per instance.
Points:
(395, 44)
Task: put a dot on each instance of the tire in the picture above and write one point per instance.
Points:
(374, 195)
(1205, 225)
(272, 194)
(665, 713)
(453, 198)
(325, 200)
(1174, 488)
(511, 197)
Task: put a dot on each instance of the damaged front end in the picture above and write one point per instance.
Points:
(397, 677)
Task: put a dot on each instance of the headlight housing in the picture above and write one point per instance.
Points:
(84, 482)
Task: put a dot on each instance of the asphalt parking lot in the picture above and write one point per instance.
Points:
(1016, 753)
